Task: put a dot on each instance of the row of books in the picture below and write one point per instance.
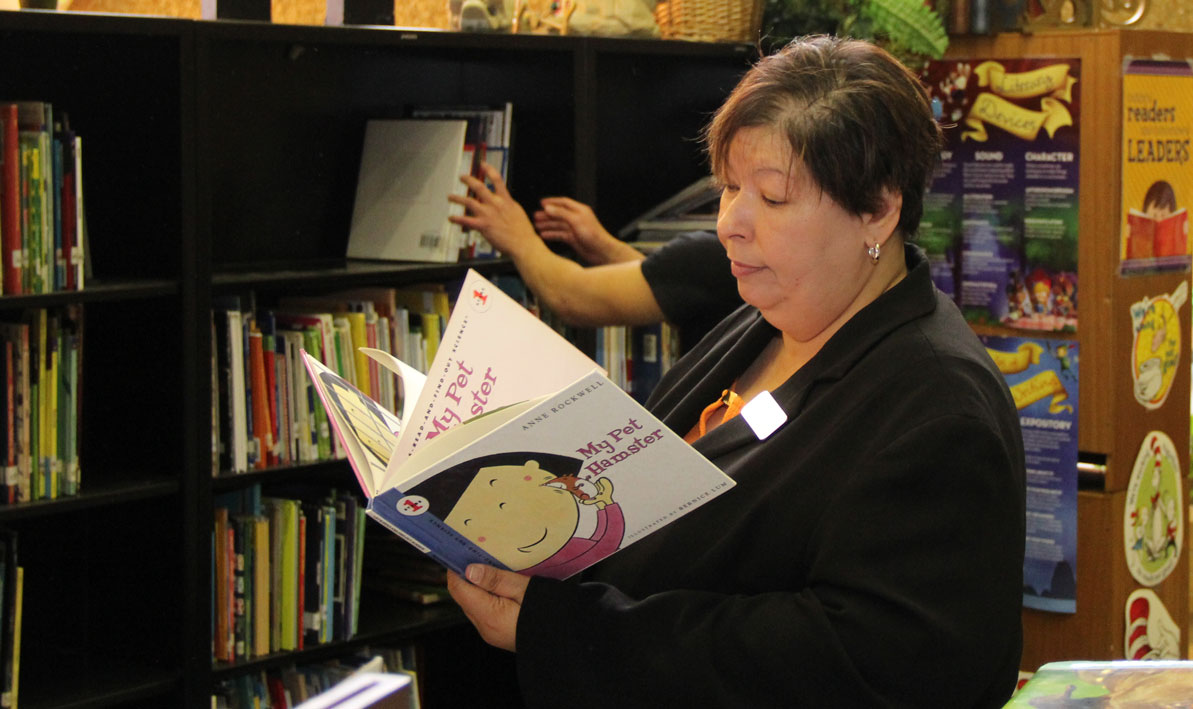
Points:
(264, 412)
(286, 571)
(42, 227)
(408, 168)
(637, 357)
(12, 589)
(41, 355)
(287, 687)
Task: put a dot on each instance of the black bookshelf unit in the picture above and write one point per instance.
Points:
(220, 158)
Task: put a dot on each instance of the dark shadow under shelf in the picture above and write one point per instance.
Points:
(94, 291)
(92, 495)
(347, 273)
(325, 471)
(122, 687)
(394, 622)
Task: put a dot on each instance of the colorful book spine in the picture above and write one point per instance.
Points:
(261, 585)
(10, 200)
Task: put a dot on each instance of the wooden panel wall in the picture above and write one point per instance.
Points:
(1111, 423)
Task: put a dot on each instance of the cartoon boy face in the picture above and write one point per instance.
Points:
(495, 512)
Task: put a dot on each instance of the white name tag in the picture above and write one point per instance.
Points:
(763, 414)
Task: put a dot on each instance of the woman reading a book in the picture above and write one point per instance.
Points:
(871, 552)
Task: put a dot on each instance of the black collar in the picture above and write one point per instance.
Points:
(909, 299)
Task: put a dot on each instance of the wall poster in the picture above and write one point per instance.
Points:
(1000, 218)
(1157, 172)
(1042, 375)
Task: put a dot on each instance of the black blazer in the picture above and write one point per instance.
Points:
(870, 555)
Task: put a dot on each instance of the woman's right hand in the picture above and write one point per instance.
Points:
(495, 214)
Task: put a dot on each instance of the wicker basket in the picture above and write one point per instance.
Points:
(709, 20)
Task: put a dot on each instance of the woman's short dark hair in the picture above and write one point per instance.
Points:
(858, 119)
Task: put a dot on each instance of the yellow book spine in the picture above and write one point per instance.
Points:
(360, 338)
(261, 586)
(18, 605)
(289, 604)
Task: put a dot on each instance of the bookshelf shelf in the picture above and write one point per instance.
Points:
(334, 472)
(220, 158)
(398, 623)
(349, 273)
(100, 494)
(94, 293)
(143, 688)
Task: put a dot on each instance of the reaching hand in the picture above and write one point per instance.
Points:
(574, 223)
(492, 600)
(494, 213)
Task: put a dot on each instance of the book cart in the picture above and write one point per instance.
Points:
(1112, 426)
(220, 159)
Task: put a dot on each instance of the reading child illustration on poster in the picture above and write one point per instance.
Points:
(1160, 229)
(531, 511)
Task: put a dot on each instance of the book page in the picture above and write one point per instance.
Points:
(414, 468)
(366, 430)
(494, 352)
(411, 379)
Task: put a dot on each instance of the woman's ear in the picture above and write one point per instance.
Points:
(882, 223)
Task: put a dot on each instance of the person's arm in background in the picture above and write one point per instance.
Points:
(608, 294)
(574, 223)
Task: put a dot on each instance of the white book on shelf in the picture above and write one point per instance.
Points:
(407, 170)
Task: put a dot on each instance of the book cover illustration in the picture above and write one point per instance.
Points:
(545, 485)
(1109, 683)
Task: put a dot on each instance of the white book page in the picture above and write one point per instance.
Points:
(411, 379)
(367, 432)
(494, 353)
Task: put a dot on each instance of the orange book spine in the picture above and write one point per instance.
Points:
(262, 426)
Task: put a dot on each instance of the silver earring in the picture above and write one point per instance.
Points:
(872, 252)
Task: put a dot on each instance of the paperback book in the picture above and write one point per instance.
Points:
(407, 169)
(517, 450)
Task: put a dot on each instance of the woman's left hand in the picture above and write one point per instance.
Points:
(492, 599)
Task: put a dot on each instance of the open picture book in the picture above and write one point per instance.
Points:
(514, 450)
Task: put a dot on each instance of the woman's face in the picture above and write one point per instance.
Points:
(797, 255)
